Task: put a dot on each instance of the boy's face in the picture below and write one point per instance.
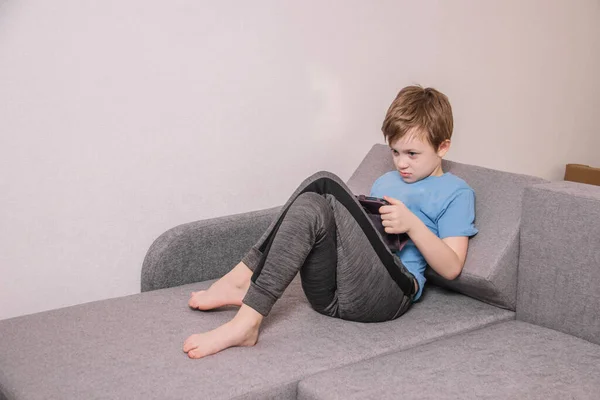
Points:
(416, 158)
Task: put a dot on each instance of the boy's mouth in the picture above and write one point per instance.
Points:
(405, 174)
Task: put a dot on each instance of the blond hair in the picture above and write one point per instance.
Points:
(425, 112)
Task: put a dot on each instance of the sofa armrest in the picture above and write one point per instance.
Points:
(202, 250)
(559, 260)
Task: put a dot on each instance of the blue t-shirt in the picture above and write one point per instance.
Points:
(445, 204)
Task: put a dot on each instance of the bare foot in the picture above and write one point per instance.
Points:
(242, 330)
(227, 291)
(221, 293)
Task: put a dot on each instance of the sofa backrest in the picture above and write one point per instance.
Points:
(490, 272)
(559, 261)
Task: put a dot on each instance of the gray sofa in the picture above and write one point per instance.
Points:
(485, 335)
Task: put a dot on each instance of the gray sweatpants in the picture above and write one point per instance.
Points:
(345, 267)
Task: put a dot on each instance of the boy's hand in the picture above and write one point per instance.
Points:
(396, 218)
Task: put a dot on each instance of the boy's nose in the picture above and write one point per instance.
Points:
(402, 165)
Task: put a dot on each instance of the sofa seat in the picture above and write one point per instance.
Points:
(511, 360)
(131, 347)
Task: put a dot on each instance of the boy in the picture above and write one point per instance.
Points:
(321, 232)
(436, 209)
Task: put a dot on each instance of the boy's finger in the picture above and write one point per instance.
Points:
(385, 209)
(386, 215)
(392, 200)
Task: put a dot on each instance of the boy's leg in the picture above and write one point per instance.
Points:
(365, 292)
(306, 233)
(361, 256)
(313, 250)
(231, 288)
(304, 241)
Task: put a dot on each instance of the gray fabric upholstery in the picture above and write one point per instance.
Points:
(491, 267)
(131, 347)
(202, 250)
(512, 360)
(559, 266)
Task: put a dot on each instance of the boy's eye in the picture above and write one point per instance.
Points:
(412, 153)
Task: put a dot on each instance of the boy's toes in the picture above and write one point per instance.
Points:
(194, 353)
(193, 302)
(190, 343)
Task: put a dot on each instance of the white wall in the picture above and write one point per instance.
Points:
(120, 119)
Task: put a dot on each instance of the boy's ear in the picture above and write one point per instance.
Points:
(443, 148)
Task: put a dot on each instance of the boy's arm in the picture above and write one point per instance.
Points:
(446, 256)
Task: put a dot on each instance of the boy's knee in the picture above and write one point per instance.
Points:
(322, 174)
(310, 205)
(310, 200)
(312, 209)
(328, 174)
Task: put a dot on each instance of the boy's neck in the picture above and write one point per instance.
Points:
(438, 171)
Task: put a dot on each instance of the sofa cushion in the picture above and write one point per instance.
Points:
(559, 266)
(490, 271)
(131, 347)
(511, 360)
